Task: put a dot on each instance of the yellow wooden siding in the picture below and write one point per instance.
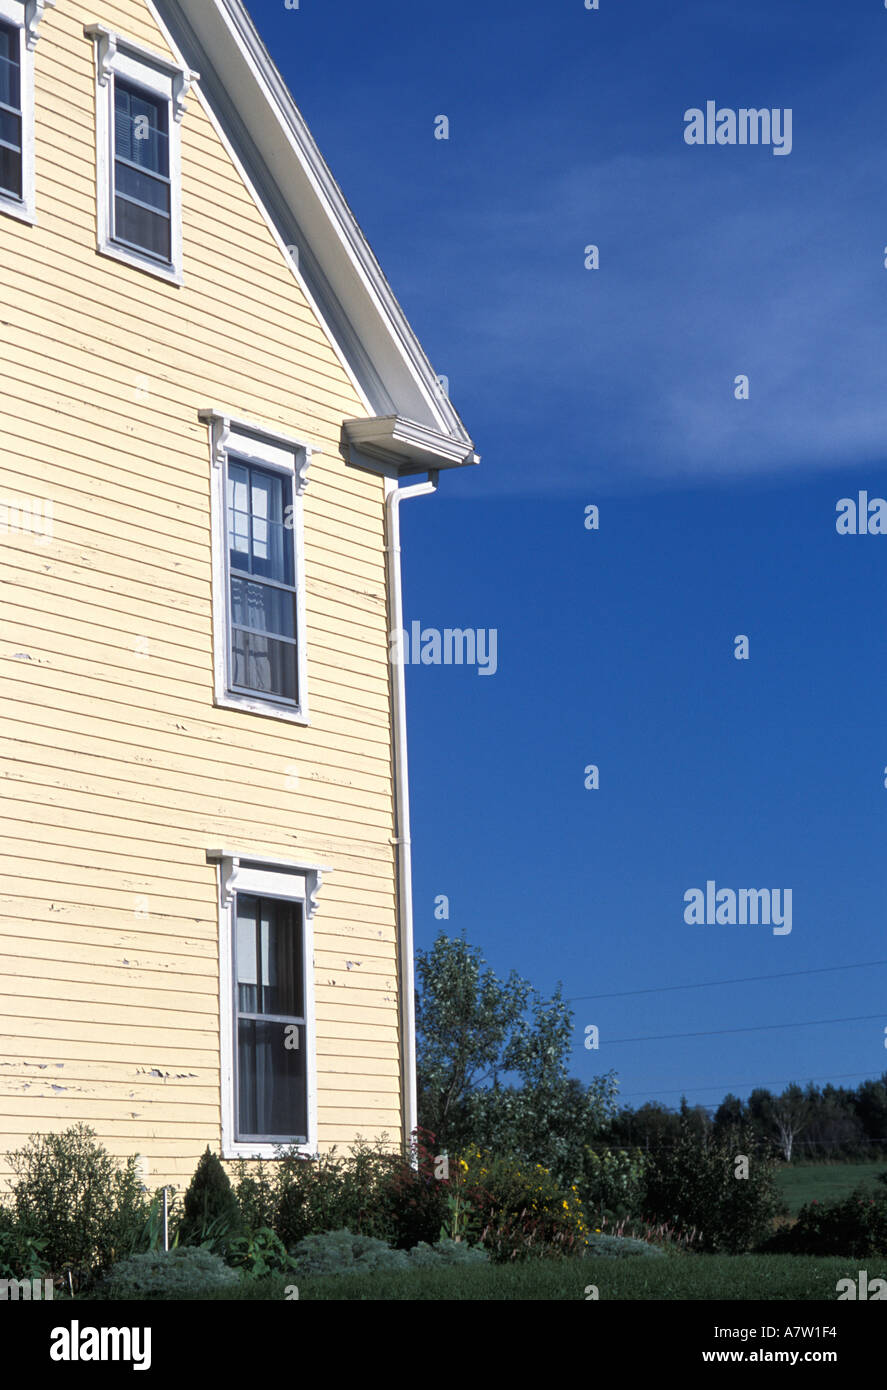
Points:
(117, 771)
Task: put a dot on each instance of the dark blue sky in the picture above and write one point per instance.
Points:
(717, 516)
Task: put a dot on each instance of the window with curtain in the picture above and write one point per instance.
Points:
(10, 110)
(142, 189)
(262, 590)
(271, 1079)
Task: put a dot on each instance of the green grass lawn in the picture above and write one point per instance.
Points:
(723, 1277)
(824, 1182)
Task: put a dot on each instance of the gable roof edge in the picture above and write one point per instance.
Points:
(394, 370)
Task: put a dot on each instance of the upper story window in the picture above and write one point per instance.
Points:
(258, 577)
(142, 191)
(19, 22)
(262, 587)
(10, 111)
(140, 103)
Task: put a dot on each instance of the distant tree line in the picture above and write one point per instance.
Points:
(800, 1124)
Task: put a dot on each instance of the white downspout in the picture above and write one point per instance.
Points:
(406, 974)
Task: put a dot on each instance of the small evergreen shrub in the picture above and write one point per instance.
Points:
(210, 1209)
(186, 1272)
(446, 1252)
(342, 1252)
(620, 1247)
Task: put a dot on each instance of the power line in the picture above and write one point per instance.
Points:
(757, 1028)
(751, 1085)
(742, 980)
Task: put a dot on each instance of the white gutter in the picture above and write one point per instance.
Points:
(406, 972)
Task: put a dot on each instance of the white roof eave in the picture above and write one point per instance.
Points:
(254, 105)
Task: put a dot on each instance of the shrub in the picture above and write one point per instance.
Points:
(446, 1252)
(186, 1272)
(21, 1256)
(85, 1207)
(855, 1226)
(619, 1247)
(694, 1184)
(260, 1253)
(613, 1183)
(210, 1209)
(256, 1190)
(519, 1210)
(370, 1191)
(342, 1252)
(412, 1204)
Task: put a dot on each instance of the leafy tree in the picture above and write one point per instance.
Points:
(492, 1058)
(730, 1113)
(650, 1127)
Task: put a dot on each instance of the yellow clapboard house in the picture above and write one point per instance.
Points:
(211, 410)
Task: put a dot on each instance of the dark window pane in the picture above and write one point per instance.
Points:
(238, 515)
(263, 664)
(260, 543)
(10, 171)
(144, 188)
(271, 1056)
(269, 956)
(140, 128)
(263, 608)
(10, 73)
(139, 227)
(272, 1093)
(10, 129)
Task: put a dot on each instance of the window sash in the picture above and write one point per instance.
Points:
(12, 180)
(269, 1091)
(278, 499)
(160, 155)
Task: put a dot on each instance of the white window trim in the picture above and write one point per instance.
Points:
(25, 15)
(292, 457)
(116, 55)
(293, 882)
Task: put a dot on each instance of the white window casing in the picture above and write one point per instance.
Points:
(287, 881)
(117, 56)
(254, 444)
(25, 16)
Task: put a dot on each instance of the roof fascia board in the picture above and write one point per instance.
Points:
(343, 276)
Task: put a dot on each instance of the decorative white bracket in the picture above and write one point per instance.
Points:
(229, 865)
(109, 45)
(303, 463)
(34, 10)
(222, 426)
(105, 51)
(220, 434)
(181, 86)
